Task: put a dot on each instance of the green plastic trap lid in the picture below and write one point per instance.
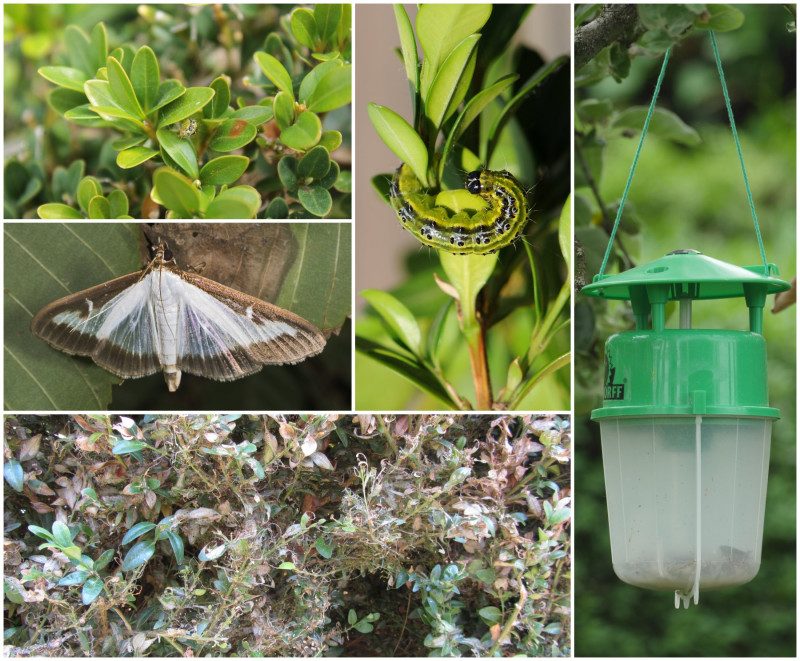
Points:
(688, 274)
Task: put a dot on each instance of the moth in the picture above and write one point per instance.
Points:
(495, 226)
(165, 318)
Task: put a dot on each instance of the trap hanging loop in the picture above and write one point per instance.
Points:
(639, 149)
(635, 160)
(739, 151)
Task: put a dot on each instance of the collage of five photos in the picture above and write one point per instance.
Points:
(382, 330)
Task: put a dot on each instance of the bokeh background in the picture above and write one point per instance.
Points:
(694, 197)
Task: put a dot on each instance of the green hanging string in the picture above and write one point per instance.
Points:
(739, 150)
(633, 165)
(639, 149)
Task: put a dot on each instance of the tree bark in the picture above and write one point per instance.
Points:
(615, 23)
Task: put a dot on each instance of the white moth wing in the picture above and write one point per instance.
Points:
(225, 334)
(111, 323)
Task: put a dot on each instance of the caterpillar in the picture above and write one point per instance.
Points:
(188, 128)
(483, 232)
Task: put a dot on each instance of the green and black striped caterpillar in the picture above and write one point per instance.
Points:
(483, 232)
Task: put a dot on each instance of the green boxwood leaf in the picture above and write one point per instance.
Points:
(127, 447)
(237, 202)
(452, 80)
(440, 28)
(84, 116)
(75, 578)
(176, 192)
(327, 17)
(399, 318)
(304, 133)
(331, 140)
(99, 46)
(315, 164)
(145, 77)
(114, 114)
(278, 209)
(176, 543)
(99, 208)
(324, 549)
(138, 555)
(334, 90)
(191, 101)
(79, 50)
(57, 211)
(276, 72)
(287, 172)
(401, 138)
(331, 177)
(168, 91)
(283, 110)
(99, 93)
(181, 151)
(233, 134)
(88, 189)
(68, 77)
(61, 534)
(254, 114)
(91, 590)
(122, 89)
(62, 100)
(137, 530)
(490, 615)
(408, 46)
(105, 557)
(223, 170)
(130, 158)
(304, 26)
(315, 199)
(119, 203)
(13, 474)
(222, 98)
(313, 77)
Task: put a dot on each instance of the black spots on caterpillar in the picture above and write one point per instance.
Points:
(485, 231)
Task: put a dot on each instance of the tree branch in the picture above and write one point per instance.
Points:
(615, 23)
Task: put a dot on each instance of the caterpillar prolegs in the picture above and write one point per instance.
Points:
(483, 232)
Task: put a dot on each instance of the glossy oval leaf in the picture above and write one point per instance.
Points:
(138, 555)
(98, 45)
(88, 188)
(440, 28)
(137, 530)
(327, 17)
(79, 49)
(174, 191)
(238, 202)
(91, 590)
(333, 91)
(399, 319)
(130, 158)
(276, 72)
(122, 88)
(315, 199)
(223, 170)
(452, 80)
(68, 77)
(408, 46)
(145, 76)
(75, 578)
(168, 91)
(331, 140)
(304, 133)
(253, 114)
(14, 475)
(283, 110)
(57, 211)
(313, 77)
(278, 209)
(192, 100)
(181, 151)
(287, 172)
(401, 138)
(233, 134)
(304, 26)
(315, 164)
(222, 98)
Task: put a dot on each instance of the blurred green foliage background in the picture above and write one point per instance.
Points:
(694, 197)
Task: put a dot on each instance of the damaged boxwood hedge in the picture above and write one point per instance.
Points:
(301, 535)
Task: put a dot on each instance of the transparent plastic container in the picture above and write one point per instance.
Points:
(670, 507)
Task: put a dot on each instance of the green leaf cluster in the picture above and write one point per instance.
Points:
(161, 122)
